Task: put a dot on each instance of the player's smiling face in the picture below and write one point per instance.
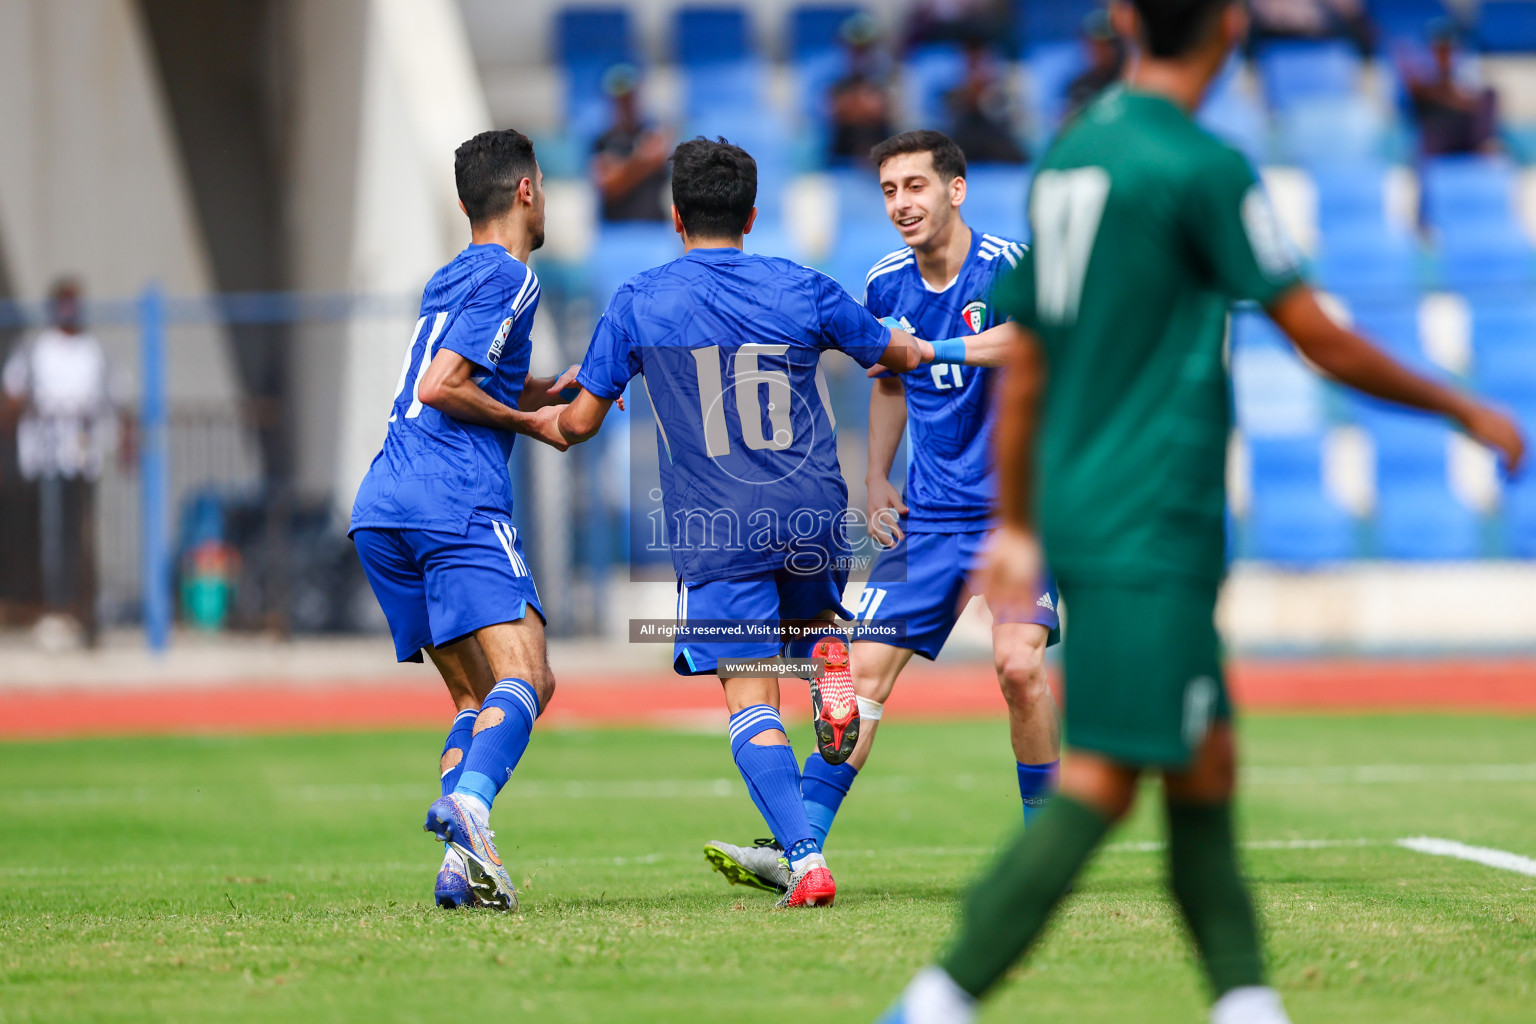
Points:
(921, 207)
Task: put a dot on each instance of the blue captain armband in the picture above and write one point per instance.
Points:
(949, 350)
(892, 323)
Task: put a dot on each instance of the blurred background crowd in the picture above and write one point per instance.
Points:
(211, 253)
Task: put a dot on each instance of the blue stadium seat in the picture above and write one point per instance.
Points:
(1292, 520)
(1507, 26)
(1395, 325)
(1051, 21)
(814, 29)
(589, 41)
(995, 198)
(1519, 498)
(1464, 190)
(930, 72)
(1275, 394)
(813, 79)
(711, 35)
(1504, 351)
(1479, 258)
(1333, 129)
(1350, 196)
(1417, 516)
(1370, 263)
(1235, 115)
(1404, 21)
(594, 35)
(856, 248)
(724, 95)
(1292, 72)
(1052, 66)
(859, 203)
(624, 250)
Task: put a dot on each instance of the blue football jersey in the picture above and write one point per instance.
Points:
(435, 470)
(729, 347)
(950, 484)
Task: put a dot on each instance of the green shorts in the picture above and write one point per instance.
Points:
(1143, 671)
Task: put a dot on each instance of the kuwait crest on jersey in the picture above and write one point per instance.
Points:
(974, 315)
(501, 339)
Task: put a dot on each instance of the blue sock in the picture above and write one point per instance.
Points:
(451, 764)
(822, 788)
(501, 735)
(1036, 784)
(773, 780)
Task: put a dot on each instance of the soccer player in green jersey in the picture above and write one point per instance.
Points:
(1113, 426)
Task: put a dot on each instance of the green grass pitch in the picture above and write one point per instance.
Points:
(285, 878)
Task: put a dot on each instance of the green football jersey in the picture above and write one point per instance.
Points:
(1146, 229)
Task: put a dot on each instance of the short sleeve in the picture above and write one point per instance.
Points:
(1013, 291)
(612, 359)
(501, 308)
(875, 300)
(847, 326)
(1233, 228)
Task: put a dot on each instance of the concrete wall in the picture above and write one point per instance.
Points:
(384, 91)
(90, 179)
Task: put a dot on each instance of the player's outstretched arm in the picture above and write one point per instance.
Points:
(449, 387)
(992, 347)
(887, 424)
(583, 417)
(1350, 359)
(1010, 569)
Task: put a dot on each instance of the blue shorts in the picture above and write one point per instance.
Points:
(760, 600)
(917, 587)
(437, 587)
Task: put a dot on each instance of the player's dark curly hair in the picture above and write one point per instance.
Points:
(714, 187)
(948, 160)
(1171, 28)
(488, 169)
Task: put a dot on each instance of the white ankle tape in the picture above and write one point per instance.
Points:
(870, 710)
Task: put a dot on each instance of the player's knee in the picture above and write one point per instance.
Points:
(1213, 777)
(1021, 673)
(543, 683)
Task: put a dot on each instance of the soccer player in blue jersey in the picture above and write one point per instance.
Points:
(936, 286)
(729, 347)
(433, 519)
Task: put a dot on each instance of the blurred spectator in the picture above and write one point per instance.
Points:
(1313, 19)
(1452, 116)
(860, 100)
(981, 112)
(60, 381)
(1106, 62)
(629, 160)
(959, 21)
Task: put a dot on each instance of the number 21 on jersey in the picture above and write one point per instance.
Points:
(1065, 211)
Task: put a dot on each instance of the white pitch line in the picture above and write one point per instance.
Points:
(1350, 774)
(1486, 855)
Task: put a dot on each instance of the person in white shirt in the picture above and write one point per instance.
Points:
(60, 380)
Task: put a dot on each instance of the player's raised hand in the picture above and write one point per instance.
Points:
(885, 509)
(567, 382)
(544, 425)
(1009, 574)
(1498, 431)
